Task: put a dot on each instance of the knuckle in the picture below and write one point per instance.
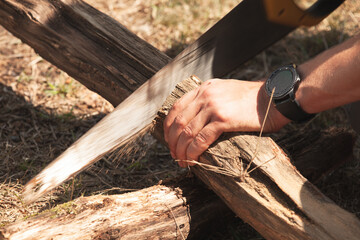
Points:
(213, 105)
(219, 113)
(177, 105)
(201, 139)
(207, 83)
(208, 92)
(188, 132)
(209, 89)
(221, 116)
(180, 121)
(205, 138)
(211, 81)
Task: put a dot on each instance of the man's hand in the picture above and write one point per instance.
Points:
(196, 120)
(202, 115)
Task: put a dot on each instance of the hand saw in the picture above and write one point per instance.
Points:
(249, 28)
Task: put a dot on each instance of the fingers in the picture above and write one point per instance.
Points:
(181, 126)
(188, 129)
(177, 117)
(202, 141)
(189, 132)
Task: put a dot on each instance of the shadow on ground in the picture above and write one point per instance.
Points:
(30, 138)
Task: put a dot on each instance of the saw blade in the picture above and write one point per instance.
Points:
(236, 38)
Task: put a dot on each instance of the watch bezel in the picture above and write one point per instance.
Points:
(295, 81)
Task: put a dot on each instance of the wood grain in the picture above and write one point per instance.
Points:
(107, 217)
(174, 210)
(85, 43)
(274, 198)
(282, 210)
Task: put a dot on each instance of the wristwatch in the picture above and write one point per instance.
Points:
(286, 80)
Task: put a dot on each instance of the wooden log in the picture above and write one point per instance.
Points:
(87, 44)
(44, 25)
(270, 194)
(151, 213)
(318, 152)
(175, 210)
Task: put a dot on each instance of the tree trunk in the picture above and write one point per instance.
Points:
(87, 44)
(256, 179)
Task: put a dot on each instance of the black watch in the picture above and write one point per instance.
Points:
(286, 80)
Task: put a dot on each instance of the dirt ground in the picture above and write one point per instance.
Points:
(43, 110)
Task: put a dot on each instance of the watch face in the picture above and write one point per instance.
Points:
(283, 82)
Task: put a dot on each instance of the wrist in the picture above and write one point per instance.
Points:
(282, 86)
(304, 92)
(312, 98)
(274, 120)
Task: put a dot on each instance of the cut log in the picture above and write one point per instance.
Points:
(278, 210)
(170, 210)
(90, 46)
(256, 179)
(94, 49)
(176, 210)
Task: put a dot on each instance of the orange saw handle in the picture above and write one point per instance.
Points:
(286, 12)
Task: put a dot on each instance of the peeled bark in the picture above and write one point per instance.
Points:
(270, 194)
(151, 213)
(96, 50)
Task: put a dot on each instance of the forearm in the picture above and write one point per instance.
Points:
(202, 115)
(332, 78)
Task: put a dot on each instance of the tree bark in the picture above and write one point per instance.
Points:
(85, 43)
(274, 198)
(96, 50)
(180, 207)
(175, 210)
(256, 179)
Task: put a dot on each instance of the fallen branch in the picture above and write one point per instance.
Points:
(87, 44)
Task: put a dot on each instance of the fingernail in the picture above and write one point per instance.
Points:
(172, 155)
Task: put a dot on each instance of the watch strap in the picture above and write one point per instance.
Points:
(291, 109)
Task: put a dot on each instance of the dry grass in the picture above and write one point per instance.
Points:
(42, 110)
(168, 25)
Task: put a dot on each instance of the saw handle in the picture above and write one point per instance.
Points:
(287, 12)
